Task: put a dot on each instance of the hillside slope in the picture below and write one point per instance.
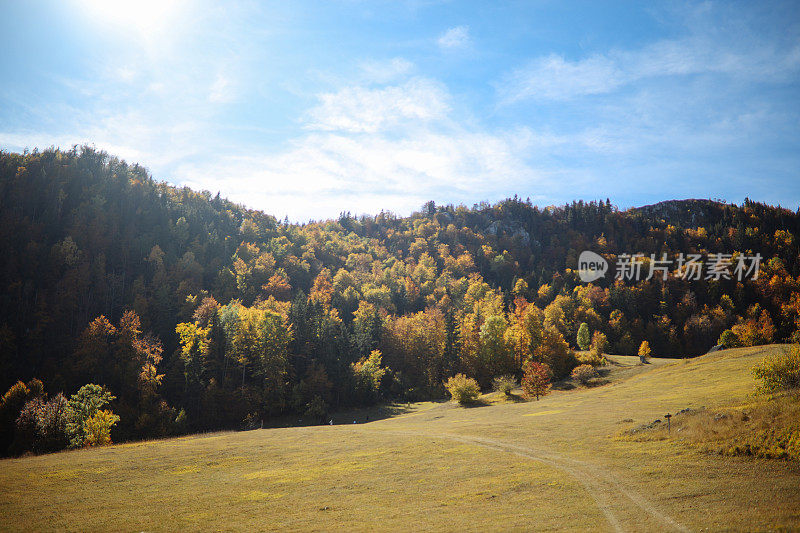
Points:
(107, 274)
(552, 464)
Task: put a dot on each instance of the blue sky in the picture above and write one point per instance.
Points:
(308, 109)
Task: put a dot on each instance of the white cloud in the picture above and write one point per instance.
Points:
(359, 109)
(453, 38)
(393, 148)
(143, 137)
(22, 141)
(324, 174)
(554, 78)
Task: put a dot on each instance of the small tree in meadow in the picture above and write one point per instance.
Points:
(97, 428)
(780, 372)
(504, 384)
(728, 339)
(83, 406)
(583, 373)
(11, 404)
(584, 339)
(595, 356)
(41, 426)
(644, 352)
(536, 379)
(462, 389)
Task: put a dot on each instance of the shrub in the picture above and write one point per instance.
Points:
(644, 352)
(11, 405)
(598, 346)
(536, 379)
(16, 397)
(504, 384)
(97, 428)
(589, 358)
(584, 340)
(83, 406)
(368, 374)
(780, 372)
(728, 339)
(25, 431)
(42, 425)
(768, 428)
(464, 390)
(51, 424)
(583, 373)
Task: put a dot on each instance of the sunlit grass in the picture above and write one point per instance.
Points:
(767, 427)
(535, 466)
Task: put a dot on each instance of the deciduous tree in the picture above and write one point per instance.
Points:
(536, 379)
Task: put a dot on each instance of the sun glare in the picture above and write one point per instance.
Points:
(146, 17)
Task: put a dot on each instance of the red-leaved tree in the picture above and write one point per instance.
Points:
(536, 380)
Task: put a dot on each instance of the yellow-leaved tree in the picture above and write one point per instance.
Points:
(644, 352)
(97, 428)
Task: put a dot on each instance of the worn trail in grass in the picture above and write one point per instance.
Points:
(555, 464)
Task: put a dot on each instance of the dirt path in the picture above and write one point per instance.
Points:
(618, 502)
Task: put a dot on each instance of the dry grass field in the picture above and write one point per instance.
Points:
(562, 463)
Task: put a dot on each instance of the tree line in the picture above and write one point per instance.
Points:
(196, 313)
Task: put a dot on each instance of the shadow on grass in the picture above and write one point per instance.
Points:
(370, 414)
(357, 415)
(480, 402)
(377, 412)
(514, 397)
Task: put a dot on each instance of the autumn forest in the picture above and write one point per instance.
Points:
(187, 312)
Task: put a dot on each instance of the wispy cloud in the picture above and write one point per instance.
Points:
(366, 174)
(386, 71)
(132, 135)
(391, 147)
(238, 99)
(454, 38)
(682, 116)
(363, 110)
(553, 77)
(222, 90)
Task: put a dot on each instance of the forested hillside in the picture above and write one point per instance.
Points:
(197, 313)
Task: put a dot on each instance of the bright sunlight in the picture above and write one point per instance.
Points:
(147, 17)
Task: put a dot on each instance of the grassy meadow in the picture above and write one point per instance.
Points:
(564, 462)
